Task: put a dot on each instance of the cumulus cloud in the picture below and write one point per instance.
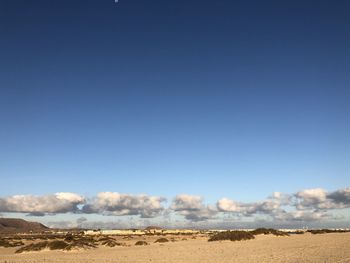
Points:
(192, 208)
(228, 205)
(112, 203)
(40, 205)
(306, 205)
(187, 203)
(340, 197)
(321, 199)
(311, 198)
(268, 206)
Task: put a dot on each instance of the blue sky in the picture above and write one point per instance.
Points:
(215, 99)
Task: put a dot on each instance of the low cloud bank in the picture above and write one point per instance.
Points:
(308, 205)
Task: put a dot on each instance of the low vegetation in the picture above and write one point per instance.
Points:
(141, 243)
(53, 245)
(267, 231)
(232, 236)
(326, 231)
(161, 240)
(109, 242)
(33, 247)
(71, 242)
(245, 235)
(297, 232)
(10, 243)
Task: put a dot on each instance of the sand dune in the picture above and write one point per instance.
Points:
(265, 248)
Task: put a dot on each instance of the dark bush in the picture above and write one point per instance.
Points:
(266, 231)
(57, 244)
(326, 231)
(161, 240)
(141, 243)
(69, 238)
(53, 245)
(112, 243)
(10, 243)
(109, 241)
(33, 247)
(298, 232)
(83, 242)
(76, 243)
(232, 235)
(4, 243)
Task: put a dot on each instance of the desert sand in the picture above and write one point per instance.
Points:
(334, 247)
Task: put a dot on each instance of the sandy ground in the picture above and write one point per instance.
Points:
(296, 248)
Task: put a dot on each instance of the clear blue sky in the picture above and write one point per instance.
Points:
(213, 98)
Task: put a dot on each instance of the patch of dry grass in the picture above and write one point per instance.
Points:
(10, 243)
(141, 243)
(232, 235)
(161, 240)
(109, 242)
(267, 231)
(33, 247)
(326, 231)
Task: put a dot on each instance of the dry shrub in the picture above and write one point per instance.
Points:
(266, 231)
(76, 243)
(10, 243)
(69, 238)
(232, 235)
(53, 245)
(33, 247)
(298, 232)
(109, 241)
(82, 242)
(161, 240)
(57, 244)
(141, 243)
(326, 231)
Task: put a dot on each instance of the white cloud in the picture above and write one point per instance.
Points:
(39, 205)
(311, 198)
(340, 197)
(321, 199)
(185, 202)
(228, 205)
(268, 206)
(306, 205)
(112, 203)
(192, 208)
